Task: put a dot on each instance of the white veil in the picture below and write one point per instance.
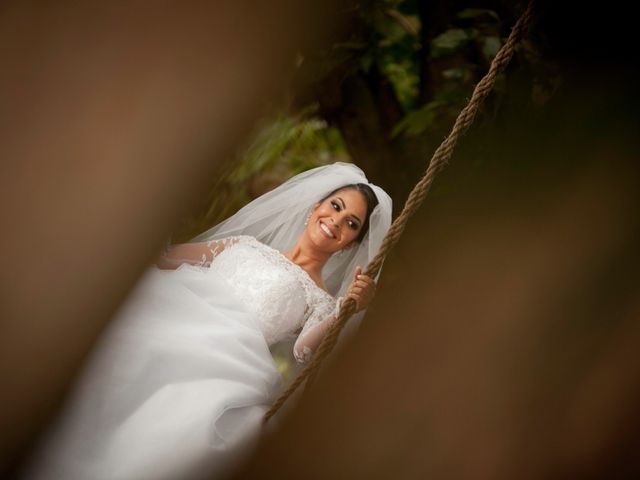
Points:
(277, 219)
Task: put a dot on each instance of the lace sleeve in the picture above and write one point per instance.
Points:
(200, 253)
(321, 317)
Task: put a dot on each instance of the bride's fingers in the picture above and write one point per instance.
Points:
(365, 292)
(365, 280)
(362, 291)
(366, 288)
(354, 295)
(363, 287)
(363, 284)
(356, 298)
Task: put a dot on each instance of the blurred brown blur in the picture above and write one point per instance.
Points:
(113, 119)
(503, 341)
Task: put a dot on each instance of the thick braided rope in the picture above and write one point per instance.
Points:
(437, 163)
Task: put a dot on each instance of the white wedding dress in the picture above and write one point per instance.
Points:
(177, 386)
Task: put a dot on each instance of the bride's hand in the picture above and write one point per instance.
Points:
(362, 289)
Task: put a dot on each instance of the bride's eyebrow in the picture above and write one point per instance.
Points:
(344, 206)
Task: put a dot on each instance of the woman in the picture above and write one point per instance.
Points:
(180, 381)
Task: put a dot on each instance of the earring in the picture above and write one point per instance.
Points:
(306, 222)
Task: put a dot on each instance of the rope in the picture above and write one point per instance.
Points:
(438, 162)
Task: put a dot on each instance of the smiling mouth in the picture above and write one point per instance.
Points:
(326, 230)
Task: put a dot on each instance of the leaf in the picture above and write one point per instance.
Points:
(405, 81)
(491, 46)
(409, 23)
(453, 74)
(418, 121)
(448, 42)
(451, 39)
(478, 12)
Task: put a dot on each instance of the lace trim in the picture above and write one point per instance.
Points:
(319, 304)
(275, 254)
(304, 356)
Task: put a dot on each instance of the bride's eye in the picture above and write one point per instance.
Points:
(335, 205)
(353, 225)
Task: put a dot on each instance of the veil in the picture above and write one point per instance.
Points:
(277, 219)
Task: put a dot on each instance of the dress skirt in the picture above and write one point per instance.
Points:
(175, 388)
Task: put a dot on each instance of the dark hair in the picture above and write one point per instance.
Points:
(369, 196)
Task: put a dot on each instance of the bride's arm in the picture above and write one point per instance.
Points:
(362, 290)
(201, 253)
(310, 337)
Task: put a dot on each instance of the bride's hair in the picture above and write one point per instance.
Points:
(370, 198)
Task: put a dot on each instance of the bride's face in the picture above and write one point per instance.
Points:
(336, 221)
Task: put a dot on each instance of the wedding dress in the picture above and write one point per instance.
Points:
(178, 384)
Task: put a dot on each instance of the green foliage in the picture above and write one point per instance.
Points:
(444, 107)
(491, 46)
(395, 54)
(479, 13)
(281, 146)
(418, 121)
(284, 366)
(384, 40)
(388, 39)
(405, 80)
(449, 41)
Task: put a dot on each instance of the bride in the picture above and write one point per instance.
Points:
(178, 384)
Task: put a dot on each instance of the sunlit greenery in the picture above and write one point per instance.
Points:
(282, 146)
(342, 109)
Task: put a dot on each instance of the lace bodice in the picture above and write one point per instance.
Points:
(281, 294)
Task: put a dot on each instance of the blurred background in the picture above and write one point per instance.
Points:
(383, 94)
(503, 340)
